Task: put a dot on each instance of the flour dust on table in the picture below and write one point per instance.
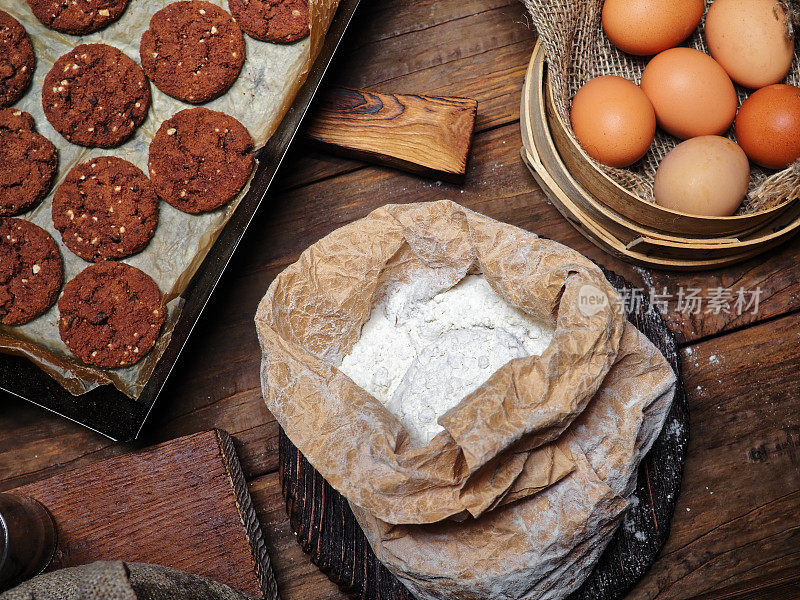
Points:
(425, 349)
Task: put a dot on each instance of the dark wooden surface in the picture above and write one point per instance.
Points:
(736, 531)
(182, 504)
(421, 134)
(328, 531)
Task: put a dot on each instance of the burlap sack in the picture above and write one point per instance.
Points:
(503, 492)
(122, 581)
(578, 51)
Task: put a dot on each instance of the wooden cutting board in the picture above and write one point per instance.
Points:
(327, 530)
(182, 504)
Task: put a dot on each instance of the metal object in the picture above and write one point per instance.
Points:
(105, 409)
(28, 539)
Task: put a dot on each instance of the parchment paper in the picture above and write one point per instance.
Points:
(270, 78)
(520, 494)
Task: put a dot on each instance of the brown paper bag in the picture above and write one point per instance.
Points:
(312, 315)
(545, 546)
(526, 479)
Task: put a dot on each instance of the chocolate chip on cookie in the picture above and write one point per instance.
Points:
(193, 50)
(77, 17)
(28, 163)
(278, 21)
(31, 271)
(96, 96)
(105, 208)
(16, 60)
(200, 159)
(111, 314)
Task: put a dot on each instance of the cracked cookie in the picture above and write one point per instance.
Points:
(192, 51)
(77, 17)
(110, 314)
(16, 60)
(200, 159)
(105, 208)
(95, 95)
(28, 163)
(278, 21)
(31, 271)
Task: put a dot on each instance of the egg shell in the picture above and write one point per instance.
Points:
(647, 27)
(613, 120)
(768, 126)
(690, 92)
(706, 176)
(749, 38)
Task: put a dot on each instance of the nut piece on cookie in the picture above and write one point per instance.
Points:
(17, 60)
(77, 17)
(105, 209)
(96, 96)
(31, 271)
(28, 163)
(277, 21)
(192, 51)
(110, 314)
(200, 159)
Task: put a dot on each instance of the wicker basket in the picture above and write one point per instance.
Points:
(677, 241)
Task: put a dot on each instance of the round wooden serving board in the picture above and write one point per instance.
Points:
(327, 530)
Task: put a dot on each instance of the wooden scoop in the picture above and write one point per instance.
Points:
(427, 135)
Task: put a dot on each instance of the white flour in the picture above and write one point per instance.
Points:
(422, 352)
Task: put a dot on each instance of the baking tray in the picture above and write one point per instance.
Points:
(107, 410)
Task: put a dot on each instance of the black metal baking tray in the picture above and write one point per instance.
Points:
(109, 411)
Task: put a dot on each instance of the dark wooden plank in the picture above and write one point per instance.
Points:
(183, 504)
(784, 585)
(327, 530)
(737, 517)
(298, 578)
(428, 135)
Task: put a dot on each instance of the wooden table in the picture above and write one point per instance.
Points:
(736, 532)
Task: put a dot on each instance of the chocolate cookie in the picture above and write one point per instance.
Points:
(16, 60)
(30, 271)
(28, 163)
(279, 21)
(96, 96)
(13, 119)
(77, 17)
(111, 314)
(200, 159)
(193, 50)
(105, 208)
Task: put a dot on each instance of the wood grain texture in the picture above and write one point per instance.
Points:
(427, 135)
(327, 530)
(183, 504)
(741, 539)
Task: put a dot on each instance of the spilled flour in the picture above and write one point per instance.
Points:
(421, 353)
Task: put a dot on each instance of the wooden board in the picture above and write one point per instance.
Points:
(327, 530)
(422, 134)
(183, 504)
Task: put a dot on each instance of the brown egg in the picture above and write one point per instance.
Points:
(750, 39)
(647, 27)
(691, 94)
(768, 126)
(706, 175)
(613, 120)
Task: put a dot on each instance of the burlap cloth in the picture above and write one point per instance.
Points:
(578, 51)
(121, 581)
